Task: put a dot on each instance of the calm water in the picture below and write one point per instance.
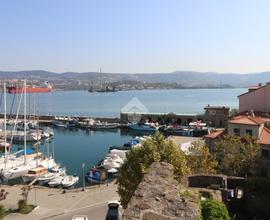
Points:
(83, 103)
(74, 147)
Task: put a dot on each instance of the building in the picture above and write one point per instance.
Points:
(216, 116)
(257, 99)
(243, 125)
(214, 137)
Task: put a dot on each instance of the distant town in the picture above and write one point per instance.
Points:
(108, 82)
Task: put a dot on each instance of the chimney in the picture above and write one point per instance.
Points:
(252, 113)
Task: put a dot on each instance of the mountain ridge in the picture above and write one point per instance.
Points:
(188, 78)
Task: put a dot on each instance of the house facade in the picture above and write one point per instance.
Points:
(216, 116)
(244, 125)
(257, 99)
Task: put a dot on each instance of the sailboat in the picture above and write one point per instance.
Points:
(27, 164)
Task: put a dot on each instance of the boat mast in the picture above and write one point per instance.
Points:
(25, 120)
(5, 118)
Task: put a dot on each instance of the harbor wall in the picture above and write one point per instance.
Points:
(182, 119)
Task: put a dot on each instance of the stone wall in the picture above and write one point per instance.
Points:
(158, 198)
(218, 181)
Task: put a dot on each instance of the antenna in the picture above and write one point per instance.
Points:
(5, 118)
(25, 120)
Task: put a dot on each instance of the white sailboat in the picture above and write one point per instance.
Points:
(27, 164)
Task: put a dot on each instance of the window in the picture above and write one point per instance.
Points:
(236, 131)
(249, 132)
(265, 153)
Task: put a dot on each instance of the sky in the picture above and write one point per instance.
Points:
(135, 36)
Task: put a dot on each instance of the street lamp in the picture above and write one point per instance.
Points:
(83, 165)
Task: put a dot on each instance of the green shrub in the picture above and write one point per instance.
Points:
(2, 212)
(24, 208)
(214, 210)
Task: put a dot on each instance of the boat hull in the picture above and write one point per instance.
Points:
(28, 89)
(143, 128)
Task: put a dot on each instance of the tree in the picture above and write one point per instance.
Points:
(156, 149)
(214, 210)
(200, 160)
(237, 156)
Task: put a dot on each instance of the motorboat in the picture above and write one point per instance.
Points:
(34, 173)
(144, 127)
(56, 181)
(19, 136)
(53, 173)
(96, 175)
(103, 125)
(60, 124)
(72, 123)
(70, 181)
(112, 163)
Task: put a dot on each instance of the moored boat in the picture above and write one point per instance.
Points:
(56, 181)
(59, 124)
(34, 174)
(143, 127)
(53, 173)
(70, 181)
(97, 175)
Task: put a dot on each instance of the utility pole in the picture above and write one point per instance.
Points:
(83, 165)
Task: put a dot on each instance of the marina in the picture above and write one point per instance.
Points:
(86, 147)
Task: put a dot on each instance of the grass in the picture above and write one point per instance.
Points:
(191, 195)
(25, 208)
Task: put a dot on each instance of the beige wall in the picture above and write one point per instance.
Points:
(256, 130)
(258, 100)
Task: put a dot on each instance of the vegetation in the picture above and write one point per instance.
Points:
(200, 160)
(138, 161)
(214, 210)
(24, 208)
(3, 196)
(237, 156)
(191, 194)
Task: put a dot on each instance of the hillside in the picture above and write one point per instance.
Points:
(183, 78)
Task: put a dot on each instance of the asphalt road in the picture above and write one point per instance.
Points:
(95, 212)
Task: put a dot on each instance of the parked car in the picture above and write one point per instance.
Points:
(113, 211)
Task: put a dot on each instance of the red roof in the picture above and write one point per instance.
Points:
(265, 136)
(248, 120)
(215, 134)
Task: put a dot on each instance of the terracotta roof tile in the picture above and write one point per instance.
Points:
(265, 136)
(215, 134)
(248, 120)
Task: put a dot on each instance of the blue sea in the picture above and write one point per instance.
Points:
(83, 103)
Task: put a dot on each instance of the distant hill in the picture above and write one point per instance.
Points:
(185, 78)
